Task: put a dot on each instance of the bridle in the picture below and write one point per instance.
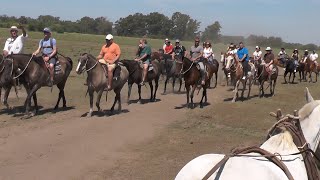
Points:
(85, 66)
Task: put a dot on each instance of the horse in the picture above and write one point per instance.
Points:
(214, 66)
(192, 78)
(97, 80)
(36, 75)
(285, 155)
(234, 67)
(310, 68)
(135, 76)
(226, 72)
(301, 69)
(173, 70)
(263, 76)
(291, 70)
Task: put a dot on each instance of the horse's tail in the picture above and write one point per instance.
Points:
(68, 59)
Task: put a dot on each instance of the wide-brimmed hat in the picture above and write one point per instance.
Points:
(268, 49)
(257, 47)
(177, 40)
(13, 28)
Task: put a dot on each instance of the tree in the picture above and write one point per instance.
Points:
(212, 32)
(157, 25)
(87, 25)
(132, 25)
(184, 27)
(103, 26)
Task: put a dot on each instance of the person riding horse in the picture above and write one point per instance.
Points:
(207, 52)
(305, 56)
(268, 61)
(295, 57)
(178, 50)
(257, 54)
(313, 57)
(196, 53)
(144, 57)
(243, 55)
(109, 55)
(48, 48)
(15, 43)
(282, 56)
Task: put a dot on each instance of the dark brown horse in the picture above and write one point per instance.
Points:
(97, 80)
(192, 78)
(214, 67)
(173, 70)
(311, 67)
(35, 75)
(135, 76)
(263, 76)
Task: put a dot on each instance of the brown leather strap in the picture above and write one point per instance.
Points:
(216, 167)
(239, 152)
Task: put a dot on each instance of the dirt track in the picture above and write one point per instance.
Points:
(64, 145)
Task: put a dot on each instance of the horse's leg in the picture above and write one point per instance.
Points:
(191, 95)
(250, 84)
(129, 92)
(180, 79)
(236, 91)
(204, 93)
(294, 76)
(5, 97)
(173, 82)
(91, 102)
(156, 84)
(35, 101)
(28, 99)
(165, 84)
(274, 86)
(151, 91)
(215, 85)
(188, 91)
(139, 92)
(285, 77)
(271, 87)
(61, 95)
(119, 100)
(98, 99)
(244, 83)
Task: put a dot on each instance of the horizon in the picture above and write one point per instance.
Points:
(265, 18)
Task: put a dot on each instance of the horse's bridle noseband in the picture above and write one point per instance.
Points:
(85, 66)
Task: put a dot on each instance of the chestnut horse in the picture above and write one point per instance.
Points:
(311, 67)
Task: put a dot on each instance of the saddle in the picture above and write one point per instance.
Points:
(116, 71)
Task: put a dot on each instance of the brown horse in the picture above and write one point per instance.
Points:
(235, 68)
(192, 78)
(97, 80)
(214, 68)
(311, 67)
(263, 76)
(35, 75)
(135, 76)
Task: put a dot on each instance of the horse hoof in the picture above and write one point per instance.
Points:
(201, 106)
(89, 115)
(55, 108)
(140, 102)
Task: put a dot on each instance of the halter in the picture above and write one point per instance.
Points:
(23, 69)
(85, 65)
(187, 69)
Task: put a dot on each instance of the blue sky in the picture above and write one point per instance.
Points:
(293, 20)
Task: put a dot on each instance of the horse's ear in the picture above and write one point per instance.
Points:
(309, 98)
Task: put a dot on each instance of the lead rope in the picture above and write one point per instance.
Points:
(23, 70)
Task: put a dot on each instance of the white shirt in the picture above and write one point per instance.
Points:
(313, 57)
(257, 55)
(15, 46)
(207, 52)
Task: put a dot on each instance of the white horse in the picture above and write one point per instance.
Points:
(247, 168)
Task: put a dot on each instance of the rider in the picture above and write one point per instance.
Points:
(14, 44)
(109, 55)
(179, 50)
(196, 56)
(207, 52)
(145, 57)
(305, 56)
(168, 48)
(268, 60)
(295, 57)
(165, 44)
(282, 56)
(48, 48)
(313, 57)
(243, 55)
(257, 54)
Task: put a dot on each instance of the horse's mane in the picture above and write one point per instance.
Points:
(279, 143)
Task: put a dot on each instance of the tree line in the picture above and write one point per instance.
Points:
(152, 25)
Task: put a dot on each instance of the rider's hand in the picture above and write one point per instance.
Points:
(20, 26)
(34, 54)
(46, 58)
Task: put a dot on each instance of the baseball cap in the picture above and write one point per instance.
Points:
(166, 39)
(47, 30)
(109, 37)
(257, 47)
(177, 40)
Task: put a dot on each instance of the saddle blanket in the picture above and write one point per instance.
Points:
(57, 68)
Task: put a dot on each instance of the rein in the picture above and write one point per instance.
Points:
(23, 69)
(187, 69)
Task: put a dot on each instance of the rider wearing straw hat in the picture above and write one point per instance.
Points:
(268, 60)
(14, 44)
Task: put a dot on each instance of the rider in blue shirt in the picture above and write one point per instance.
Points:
(243, 55)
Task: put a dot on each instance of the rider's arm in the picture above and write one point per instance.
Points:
(24, 33)
(118, 54)
(38, 50)
(6, 49)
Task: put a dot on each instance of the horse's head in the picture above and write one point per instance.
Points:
(6, 71)
(230, 62)
(82, 62)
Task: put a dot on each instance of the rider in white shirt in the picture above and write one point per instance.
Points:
(14, 44)
(313, 57)
(257, 54)
(207, 52)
